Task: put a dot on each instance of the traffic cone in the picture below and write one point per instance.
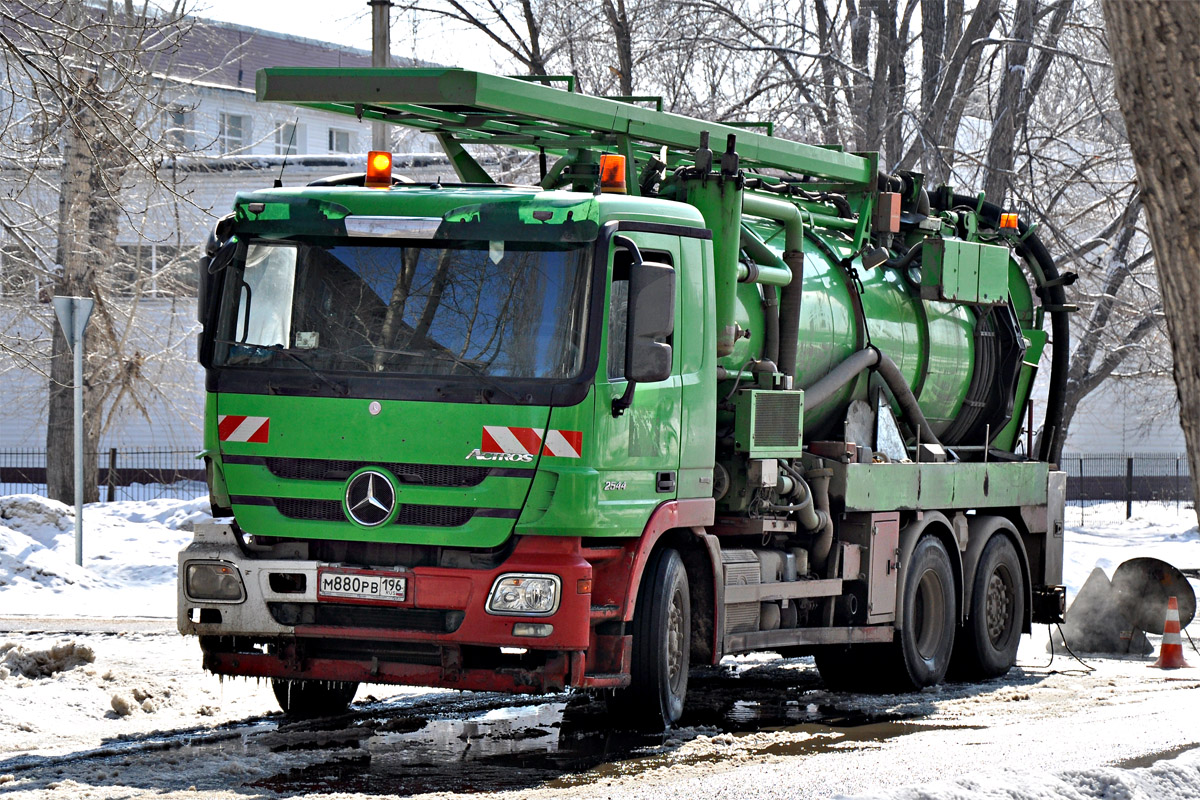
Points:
(1170, 655)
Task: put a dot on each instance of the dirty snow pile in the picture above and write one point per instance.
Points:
(129, 556)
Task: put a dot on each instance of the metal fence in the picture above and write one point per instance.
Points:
(125, 473)
(1117, 485)
(1105, 485)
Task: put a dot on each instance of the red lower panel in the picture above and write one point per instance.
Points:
(559, 670)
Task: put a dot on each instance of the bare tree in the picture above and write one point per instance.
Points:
(86, 126)
(1157, 67)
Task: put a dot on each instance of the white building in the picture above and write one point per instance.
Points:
(222, 143)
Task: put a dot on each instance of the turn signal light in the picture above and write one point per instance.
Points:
(1008, 222)
(612, 173)
(379, 169)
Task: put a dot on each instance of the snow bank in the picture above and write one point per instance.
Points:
(129, 551)
(43, 663)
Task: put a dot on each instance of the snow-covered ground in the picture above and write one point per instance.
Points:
(129, 556)
(70, 694)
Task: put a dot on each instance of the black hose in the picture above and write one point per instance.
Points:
(789, 314)
(1051, 294)
(770, 324)
(839, 376)
(907, 401)
(855, 365)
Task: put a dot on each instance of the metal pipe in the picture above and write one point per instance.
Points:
(792, 220)
(824, 541)
(767, 275)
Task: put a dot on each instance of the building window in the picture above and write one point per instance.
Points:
(289, 138)
(232, 133)
(178, 129)
(339, 141)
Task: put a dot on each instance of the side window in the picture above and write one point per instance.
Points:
(618, 308)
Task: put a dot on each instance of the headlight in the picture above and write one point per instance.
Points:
(535, 595)
(215, 581)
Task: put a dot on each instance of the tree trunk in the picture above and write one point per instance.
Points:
(1156, 64)
(75, 209)
(1011, 98)
(618, 20)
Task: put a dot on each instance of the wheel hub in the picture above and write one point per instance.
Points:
(675, 643)
(999, 606)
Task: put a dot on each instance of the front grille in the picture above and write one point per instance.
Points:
(409, 514)
(320, 469)
(343, 615)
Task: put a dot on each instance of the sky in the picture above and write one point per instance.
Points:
(349, 23)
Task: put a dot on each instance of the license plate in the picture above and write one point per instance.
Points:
(361, 585)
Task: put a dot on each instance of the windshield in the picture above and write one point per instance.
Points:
(497, 309)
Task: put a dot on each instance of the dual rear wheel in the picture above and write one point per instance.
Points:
(931, 644)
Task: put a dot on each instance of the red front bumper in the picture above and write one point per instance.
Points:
(575, 653)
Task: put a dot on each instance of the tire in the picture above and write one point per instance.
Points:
(310, 699)
(987, 642)
(926, 642)
(661, 648)
(841, 668)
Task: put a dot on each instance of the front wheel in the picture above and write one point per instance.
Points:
(310, 699)
(987, 643)
(926, 641)
(661, 646)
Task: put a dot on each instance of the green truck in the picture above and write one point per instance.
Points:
(666, 404)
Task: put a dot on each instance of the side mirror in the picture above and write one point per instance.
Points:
(212, 263)
(651, 319)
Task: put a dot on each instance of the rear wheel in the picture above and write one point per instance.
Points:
(926, 641)
(987, 643)
(309, 699)
(661, 647)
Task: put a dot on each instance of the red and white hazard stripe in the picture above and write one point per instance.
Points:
(234, 428)
(531, 441)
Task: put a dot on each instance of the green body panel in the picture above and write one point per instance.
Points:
(945, 486)
(697, 360)
(964, 272)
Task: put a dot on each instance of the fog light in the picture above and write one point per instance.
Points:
(538, 629)
(524, 594)
(214, 581)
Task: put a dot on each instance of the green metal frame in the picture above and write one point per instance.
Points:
(476, 108)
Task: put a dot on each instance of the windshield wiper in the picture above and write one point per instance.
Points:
(339, 388)
(449, 356)
(483, 376)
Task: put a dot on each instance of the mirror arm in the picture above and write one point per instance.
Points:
(619, 404)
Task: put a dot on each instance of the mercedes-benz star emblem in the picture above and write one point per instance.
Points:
(370, 498)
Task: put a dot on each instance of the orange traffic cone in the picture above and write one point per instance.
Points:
(1170, 655)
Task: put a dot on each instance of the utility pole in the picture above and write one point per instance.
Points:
(381, 51)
